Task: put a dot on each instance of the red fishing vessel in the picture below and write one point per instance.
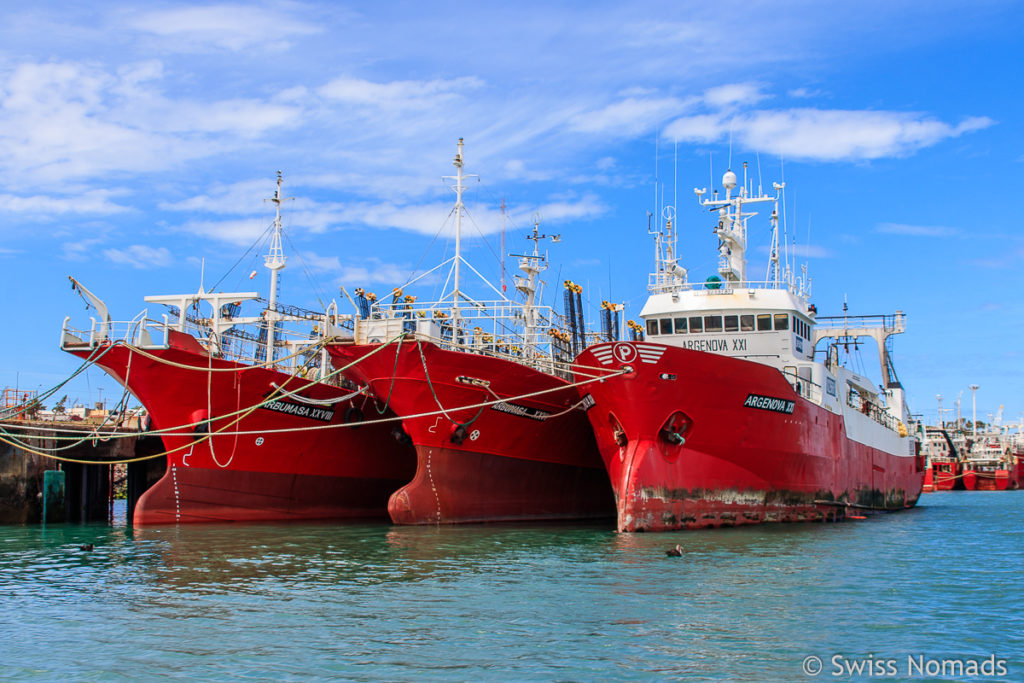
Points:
(942, 459)
(990, 464)
(1017, 481)
(725, 416)
(1017, 448)
(255, 424)
(483, 392)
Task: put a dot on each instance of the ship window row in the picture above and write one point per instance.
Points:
(801, 328)
(763, 322)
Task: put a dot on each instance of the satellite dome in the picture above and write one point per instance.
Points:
(729, 180)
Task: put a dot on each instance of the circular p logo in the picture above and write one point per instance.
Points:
(624, 353)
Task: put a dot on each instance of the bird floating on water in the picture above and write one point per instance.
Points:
(675, 552)
(86, 547)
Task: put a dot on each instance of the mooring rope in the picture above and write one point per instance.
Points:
(239, 415)
(433, 413)
(278, 394)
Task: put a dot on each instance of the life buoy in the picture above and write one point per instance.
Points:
(200, 418)
(401, 437)
(353, 416)
(458, 434)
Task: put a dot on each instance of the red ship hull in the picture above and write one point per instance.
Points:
(738, 464)
(998, 480)
(938, 479)
(531, 459)
(260, 474)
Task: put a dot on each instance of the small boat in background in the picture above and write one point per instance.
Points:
(943, 453)
(990, 464)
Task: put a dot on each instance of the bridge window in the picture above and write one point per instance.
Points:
(666, 325)
(781, 321)
(746, 323)
(652, 328)
(764, 322)
(696, 324)
(732, 323)
(712, 323)
(680, 325)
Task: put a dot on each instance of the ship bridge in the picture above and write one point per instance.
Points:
(763, 324)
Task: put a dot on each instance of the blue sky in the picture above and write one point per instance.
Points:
(137, 139)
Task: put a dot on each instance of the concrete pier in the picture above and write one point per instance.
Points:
(86, 491)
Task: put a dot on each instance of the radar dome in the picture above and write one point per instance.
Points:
(729, 180)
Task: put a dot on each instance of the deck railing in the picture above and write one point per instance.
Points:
(492, 328)
(659, 283)
(243, 342)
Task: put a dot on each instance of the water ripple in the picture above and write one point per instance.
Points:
(371, 602)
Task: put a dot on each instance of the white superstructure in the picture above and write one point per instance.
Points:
(769, 321)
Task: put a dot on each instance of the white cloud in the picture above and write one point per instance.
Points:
(242, 117)
(140, 256)
(585, 207)
(225, 26)
(64, 121)
(733, 94)
(244, 197)
(824, 135)
(803, 93)
(242, 231)
(320, 264)
(800, 251)
(697, 128)
(810, 251)
(374, 271)
(916, 230)
(627, 118)
(90, 202)
(397, 94)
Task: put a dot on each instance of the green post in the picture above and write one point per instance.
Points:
(53, 495)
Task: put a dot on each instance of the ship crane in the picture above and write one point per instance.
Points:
(97, 303)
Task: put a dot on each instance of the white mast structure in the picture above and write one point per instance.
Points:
(732, 227)
(457, 260)
(275, 262)
(533, 265)
(223, 316)
(502, 314)
(974, 409)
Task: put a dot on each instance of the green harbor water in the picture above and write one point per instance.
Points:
(942, 583)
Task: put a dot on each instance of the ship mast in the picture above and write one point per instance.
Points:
(532, 265)
(670, 276)
(732, 226)
(458, 224)
(459, 176)
(275, 261)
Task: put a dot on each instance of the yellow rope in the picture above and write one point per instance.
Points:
(207, 435)
(240, 415)
(277, 394)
